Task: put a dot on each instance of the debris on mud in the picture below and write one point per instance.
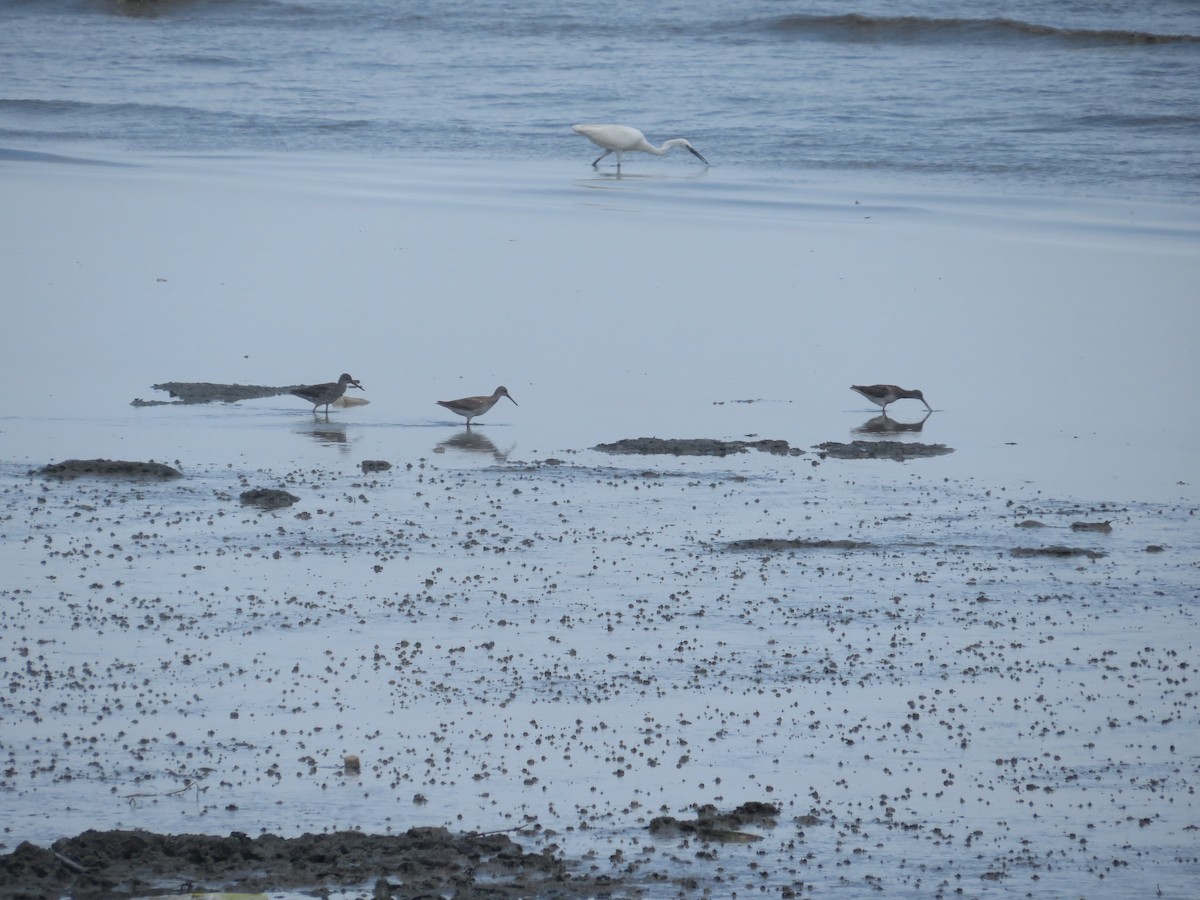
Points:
(267, 498)
(696, 447)
(796, 544)
(1058, 550)
(712, 825)
(1102, 527)
(183, 392)
(422, 861)
(897, 450)
(375, 465)
(109, 468)
(1032, 523)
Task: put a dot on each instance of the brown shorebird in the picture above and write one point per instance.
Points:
(883, 394)
(476, 406)
(323, 394)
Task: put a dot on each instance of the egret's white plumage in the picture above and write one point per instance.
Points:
(620, 139)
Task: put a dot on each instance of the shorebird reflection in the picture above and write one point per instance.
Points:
(473, 442)
(327, 435)
(885, 424)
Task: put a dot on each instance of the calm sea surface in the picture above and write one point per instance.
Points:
(1084, 97)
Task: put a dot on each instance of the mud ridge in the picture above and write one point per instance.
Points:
(109, 468)
(897, 450)
(185, 392)
(97, 865)
(796, 544)
(696, 447)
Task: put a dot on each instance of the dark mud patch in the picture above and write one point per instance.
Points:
(182, 392)
(420, 862)
(1101, 527)
(897, 450)
(375, 465)
(722, 827)
(1058, 551)
(779, 544)
(696, 447)
(268, 498)
(110, 468)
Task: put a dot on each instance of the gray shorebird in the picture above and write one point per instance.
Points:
(476, 406)
(883, 394)
(323, 394)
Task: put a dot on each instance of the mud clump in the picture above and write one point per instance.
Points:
(651, 446)
(1101, 527)
(375, 465)
(796, 544)
(185, 392)
(110, 468)
(267, 498)
(1058, 551)
(420, 862)
(723, 827)
(897, 450)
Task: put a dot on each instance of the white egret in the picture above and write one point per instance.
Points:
(619, 139)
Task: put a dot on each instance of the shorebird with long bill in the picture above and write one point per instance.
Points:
(476, 406)
(883, 394)
(323, 394)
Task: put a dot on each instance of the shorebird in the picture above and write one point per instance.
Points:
(323, 394)
(883, 394)
(476, 406)
(620, 139)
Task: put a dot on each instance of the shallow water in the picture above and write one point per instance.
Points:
(1044, 331)
(1088, 97)
(509, 627)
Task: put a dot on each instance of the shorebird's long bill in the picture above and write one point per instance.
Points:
(509, 396)
(696, 153)
(356, 384)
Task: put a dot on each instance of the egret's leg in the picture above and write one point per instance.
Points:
(596, 161)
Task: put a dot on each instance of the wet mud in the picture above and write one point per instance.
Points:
(109, 468)
(424, 862)
(897, 450)
(1058, 551)
(268, 498)
(650, 446)
(711, 824)
(189, 392)
(774, 544)
(473, 675)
